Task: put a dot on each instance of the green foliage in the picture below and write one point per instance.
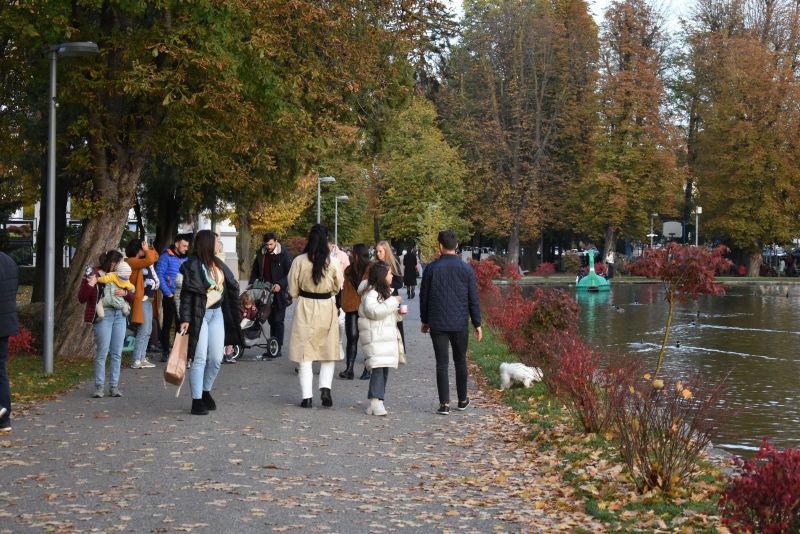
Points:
(422, 179)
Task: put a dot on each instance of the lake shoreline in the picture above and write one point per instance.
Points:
(569, 280)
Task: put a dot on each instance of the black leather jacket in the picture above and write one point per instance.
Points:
(192, 309)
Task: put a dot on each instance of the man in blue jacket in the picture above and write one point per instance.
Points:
(167, 269)
(448, 300)
(9, 326)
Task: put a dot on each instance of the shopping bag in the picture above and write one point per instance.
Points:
(175, 372)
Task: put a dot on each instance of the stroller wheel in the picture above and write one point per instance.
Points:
(272, 347)
(235, 354)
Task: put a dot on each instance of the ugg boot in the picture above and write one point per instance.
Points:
(379, 409)
(209, 401)
(199, 407)
(373, 403)
(325, 396)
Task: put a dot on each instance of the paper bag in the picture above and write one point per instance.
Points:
(175, 372)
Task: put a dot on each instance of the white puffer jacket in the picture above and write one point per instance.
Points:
(377, 330)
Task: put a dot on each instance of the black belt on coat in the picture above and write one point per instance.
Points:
(317, 296)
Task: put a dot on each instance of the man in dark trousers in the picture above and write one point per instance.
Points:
(272, 265)
(167, 269)
(9, 326)
(448, 300)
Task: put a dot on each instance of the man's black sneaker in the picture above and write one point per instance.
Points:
(443, 409)
(463, 405)
(164, 358)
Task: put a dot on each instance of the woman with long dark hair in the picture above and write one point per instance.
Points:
(353, 275)
(313, 284)
(209, 314)
(109, 331)
(410, 272)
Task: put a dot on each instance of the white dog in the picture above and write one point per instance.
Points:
(518, 373)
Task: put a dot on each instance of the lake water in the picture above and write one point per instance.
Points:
(753, 332)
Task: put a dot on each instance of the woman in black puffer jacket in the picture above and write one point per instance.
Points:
(209, 313)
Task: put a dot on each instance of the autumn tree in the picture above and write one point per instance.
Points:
(746, 160)
(636, 173)
(510, 84)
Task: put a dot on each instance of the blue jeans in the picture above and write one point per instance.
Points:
(377, 383)
(208, 353)
(109, 337)
(143, 331)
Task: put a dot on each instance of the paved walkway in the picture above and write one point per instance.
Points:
(262, 464)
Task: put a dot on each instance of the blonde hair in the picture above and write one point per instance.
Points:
(388, 257)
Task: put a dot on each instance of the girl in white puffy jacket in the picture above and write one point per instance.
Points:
(380, 339)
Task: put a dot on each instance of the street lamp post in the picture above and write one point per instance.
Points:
(68, 50)
(697, 211)
(326, 179)
(652, 235)
(336, 217)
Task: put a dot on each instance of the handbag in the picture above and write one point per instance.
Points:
(212, 297)
(175, 372)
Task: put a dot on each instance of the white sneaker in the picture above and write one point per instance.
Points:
(147, 363)
(378, 409)
(137, 365)
(371, 407)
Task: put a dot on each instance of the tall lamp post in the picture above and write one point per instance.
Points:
(343, 198)
(86, 48)
(697, 211)
(320, 180)
(652, 235)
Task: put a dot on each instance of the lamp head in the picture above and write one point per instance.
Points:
(327, 179)
(78, 48)
(342, 197)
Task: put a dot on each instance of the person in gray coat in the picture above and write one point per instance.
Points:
(9, 326)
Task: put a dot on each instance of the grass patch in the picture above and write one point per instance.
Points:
(607, 497)
(30, 384)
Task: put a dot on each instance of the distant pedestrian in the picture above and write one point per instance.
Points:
(410, 272)
(109, 331)
(378, 315)
(168, 270)
(272, 264)
(448, 300)
(355, 273)
(209, 313)
(610, 264)
(314, 281)
(9, 326)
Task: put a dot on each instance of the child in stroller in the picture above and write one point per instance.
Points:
(256, 305)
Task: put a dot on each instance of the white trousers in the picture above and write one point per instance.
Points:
(306, 374)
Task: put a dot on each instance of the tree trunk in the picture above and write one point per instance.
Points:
(753, 264)
(74, 337)
(513, 244)
(244, 244)
(61, 223)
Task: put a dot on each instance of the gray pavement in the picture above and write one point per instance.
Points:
(260, 463)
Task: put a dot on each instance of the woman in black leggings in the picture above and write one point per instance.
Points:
(353, 275)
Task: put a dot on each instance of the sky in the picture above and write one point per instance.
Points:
(672, 9)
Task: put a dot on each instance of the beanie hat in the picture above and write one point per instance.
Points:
(123, 270)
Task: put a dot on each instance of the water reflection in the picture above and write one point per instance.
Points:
(751, 333)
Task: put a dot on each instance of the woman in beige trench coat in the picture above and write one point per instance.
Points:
(314, 281)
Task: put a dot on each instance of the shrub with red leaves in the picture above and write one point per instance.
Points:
(686, 272)
(295, 244)
(766, 497)
(545, 269)
(486, 272)
(22, 342)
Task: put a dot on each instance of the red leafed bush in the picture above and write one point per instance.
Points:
(511, 270)
(22, 342)
(295, 244)
(766, 497)
(486, 272)
(600, 268)
(545, 269)
(509, 314)
(553, 314)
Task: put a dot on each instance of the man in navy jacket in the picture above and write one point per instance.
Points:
(448, 300)
(9, 326)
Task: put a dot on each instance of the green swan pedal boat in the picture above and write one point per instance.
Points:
(592, 281)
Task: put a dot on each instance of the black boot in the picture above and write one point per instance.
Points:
(199, 407)
(348, 373)
(306, 403)
(325, 395)
(209, 401)
(366, 375)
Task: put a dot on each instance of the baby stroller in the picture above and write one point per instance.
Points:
(253, 330)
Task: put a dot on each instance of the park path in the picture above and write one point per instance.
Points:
(262, 464)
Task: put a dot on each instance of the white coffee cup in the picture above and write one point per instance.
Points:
(403, 309)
